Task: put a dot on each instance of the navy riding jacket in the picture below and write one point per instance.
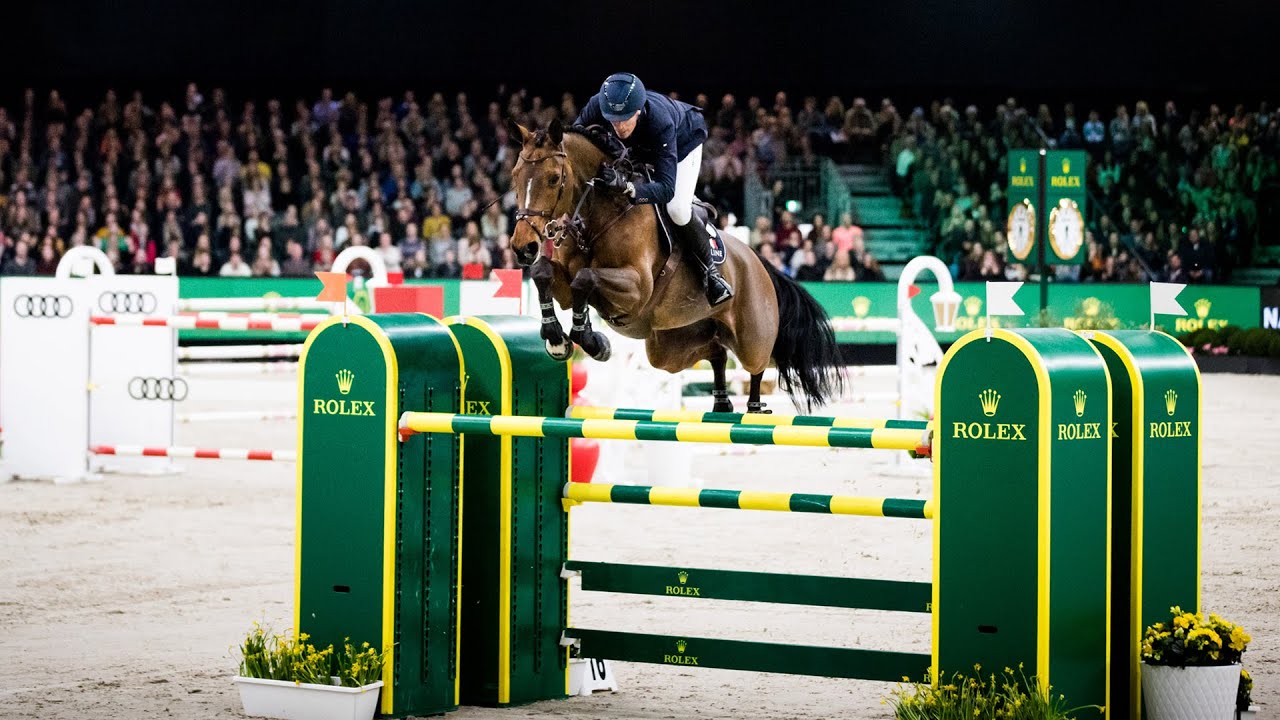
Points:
(666, 132)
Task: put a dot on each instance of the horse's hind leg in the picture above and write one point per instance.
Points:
(720, 392)
(593, 343)
(753, 400)
(558, 346)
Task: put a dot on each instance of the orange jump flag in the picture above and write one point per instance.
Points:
(335, 287)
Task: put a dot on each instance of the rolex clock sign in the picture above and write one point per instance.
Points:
(1064, 207)
(1046, 206)
(1023, 193)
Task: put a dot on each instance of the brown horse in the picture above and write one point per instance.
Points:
(593, 247)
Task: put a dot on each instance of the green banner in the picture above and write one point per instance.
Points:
(1074, 306)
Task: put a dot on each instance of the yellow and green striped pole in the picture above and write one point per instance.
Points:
(738, 434)
(585, 412)
(749, 500)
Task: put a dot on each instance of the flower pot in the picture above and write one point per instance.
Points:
(304, 701)
(1190, 693)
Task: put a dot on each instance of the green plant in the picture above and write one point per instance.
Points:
(1190, 639)
(1009, 696)
(272, 656)
(1244, 695)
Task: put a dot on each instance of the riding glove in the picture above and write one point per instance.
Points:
(616, 181)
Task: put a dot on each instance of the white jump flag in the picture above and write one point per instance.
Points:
(1164, 300)
(1000, 301)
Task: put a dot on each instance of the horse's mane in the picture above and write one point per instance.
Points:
(604, 141)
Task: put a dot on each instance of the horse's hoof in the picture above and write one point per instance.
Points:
(603, 350)
(722, 406)
(559, 351)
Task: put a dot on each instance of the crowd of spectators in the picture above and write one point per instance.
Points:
(275, 188)
(1170, 196)
(278, 187)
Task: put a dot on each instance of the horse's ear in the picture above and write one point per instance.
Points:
(556, 131)
(519, 135)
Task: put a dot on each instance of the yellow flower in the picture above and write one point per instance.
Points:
(1181, 622)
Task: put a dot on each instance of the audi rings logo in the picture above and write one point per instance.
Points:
(127, 302)
(150, 388)
(42, 306)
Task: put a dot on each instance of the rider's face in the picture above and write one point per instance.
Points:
(624, 128)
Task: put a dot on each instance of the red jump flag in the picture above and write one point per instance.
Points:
(335, 287)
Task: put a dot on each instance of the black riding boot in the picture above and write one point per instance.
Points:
(696, 244)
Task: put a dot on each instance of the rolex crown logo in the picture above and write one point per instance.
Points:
(972, 305)
(861, 306)
(990, 400)
(1066, 166)
(681, 645)
(1202, 308)
(1170, 402)
(1079, 399)
(1022, 166)
(683, 576)
(345, 378)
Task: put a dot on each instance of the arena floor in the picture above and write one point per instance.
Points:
(126, 598)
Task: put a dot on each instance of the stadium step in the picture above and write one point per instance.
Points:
(896, 245)
(879, 211)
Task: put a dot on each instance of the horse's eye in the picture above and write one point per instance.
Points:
(554, 180)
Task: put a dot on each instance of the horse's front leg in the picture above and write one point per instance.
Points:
(593, 343)
(557, 344)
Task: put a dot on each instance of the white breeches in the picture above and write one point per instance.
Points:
(681, 206)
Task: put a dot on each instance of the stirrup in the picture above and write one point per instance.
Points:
(717, 292)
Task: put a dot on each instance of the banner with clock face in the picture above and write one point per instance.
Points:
(1061, 221)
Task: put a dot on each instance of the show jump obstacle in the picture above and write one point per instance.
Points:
(1066, 456)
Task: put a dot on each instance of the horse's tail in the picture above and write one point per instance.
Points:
(806, 351)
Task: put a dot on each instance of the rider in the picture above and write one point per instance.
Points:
(667, 134)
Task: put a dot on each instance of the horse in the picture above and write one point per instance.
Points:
(593, 247)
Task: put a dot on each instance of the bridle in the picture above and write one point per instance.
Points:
(524, 214)
(554, 231)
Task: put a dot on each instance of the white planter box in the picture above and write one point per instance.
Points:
(303, 701)
(1190, 693)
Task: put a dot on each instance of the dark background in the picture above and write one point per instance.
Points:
(915, 50)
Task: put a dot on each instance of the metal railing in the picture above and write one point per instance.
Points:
(814, 187)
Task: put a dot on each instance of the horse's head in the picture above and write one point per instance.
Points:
(545, 187)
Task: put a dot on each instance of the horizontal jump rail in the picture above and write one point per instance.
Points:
(193, 452)
(187, 322)
(747, 586)
(249, 304)
(237, 415)
(237, 352)
(585, 412)
(738, 434)
(749, 500)
(688, 651)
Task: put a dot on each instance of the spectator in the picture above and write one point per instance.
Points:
(264, 265)
(294, 265)
(390, 252)
(449, 266)
(841, 269)
(20, 263)
(235, 266)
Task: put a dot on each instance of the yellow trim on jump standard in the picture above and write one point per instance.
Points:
(505, 494)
